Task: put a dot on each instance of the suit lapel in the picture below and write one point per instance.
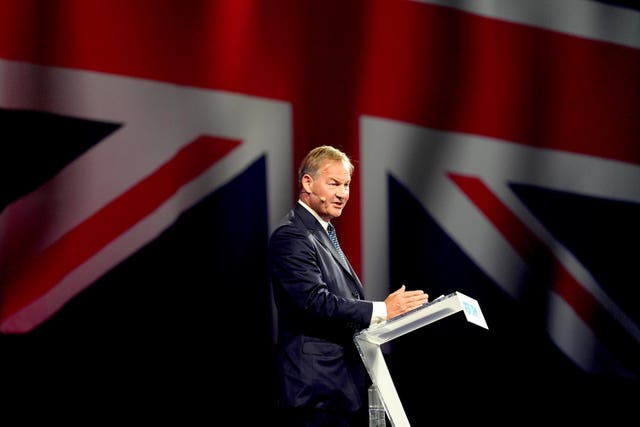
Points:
(321, 235)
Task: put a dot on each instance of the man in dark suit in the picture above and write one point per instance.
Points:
(320, 301)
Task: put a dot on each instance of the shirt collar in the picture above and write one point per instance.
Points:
(322, 222)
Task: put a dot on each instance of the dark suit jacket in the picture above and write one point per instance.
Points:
(320, 305)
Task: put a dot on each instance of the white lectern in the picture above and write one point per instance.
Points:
(369, 341)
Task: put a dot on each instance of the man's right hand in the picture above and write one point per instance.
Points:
(402, 301)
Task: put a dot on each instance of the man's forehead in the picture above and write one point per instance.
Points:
(335, 169)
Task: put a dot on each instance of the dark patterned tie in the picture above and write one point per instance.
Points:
(334, 239)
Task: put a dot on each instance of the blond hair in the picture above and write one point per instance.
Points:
(317, 157)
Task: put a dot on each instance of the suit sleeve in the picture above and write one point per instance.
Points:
(306, 275)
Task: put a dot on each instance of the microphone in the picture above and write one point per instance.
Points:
(322, 199)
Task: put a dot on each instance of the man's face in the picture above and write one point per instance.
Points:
(330, 190)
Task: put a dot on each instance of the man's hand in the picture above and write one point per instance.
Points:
(401, 301)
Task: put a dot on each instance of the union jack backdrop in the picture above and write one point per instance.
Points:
(150, 147)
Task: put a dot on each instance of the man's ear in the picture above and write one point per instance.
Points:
(307, 182)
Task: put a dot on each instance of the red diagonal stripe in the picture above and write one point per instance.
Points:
(532, 249)
(37, 276)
